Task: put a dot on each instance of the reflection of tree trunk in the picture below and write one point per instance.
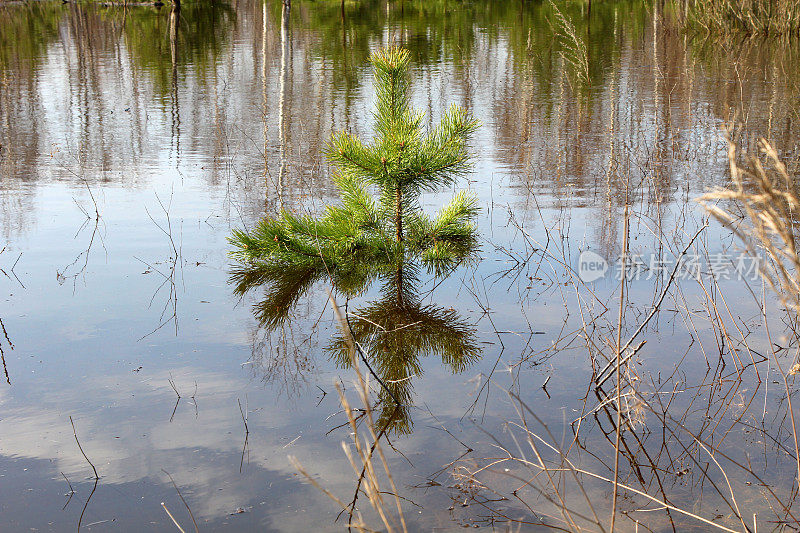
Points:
(655, 70)
(772, 100)
(402, 24)
(174, 22)
(589, 22)
(344, 38)
(399, 286)
(264, 84)
(283, 89)
(607, 233)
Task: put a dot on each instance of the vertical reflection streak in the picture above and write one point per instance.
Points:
(283, 90)
(174, 22)
(264, 20)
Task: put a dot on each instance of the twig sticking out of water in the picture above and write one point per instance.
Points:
(618, 360)
(246, 431)
(2, 326)
(194, 400)
(169, 312)
(244, 417)
(63, 275)
(96, 475)
(600, 379)
(74, 432)
(2, 353)
(182, 499)
(3, 272)
(178, 401)
(172, 384)
(86, 505)
(71, 490)
(324, 393)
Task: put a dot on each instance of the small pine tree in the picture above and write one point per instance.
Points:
(401, 162)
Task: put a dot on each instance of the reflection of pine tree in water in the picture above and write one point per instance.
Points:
(394, 333)
(388, 238)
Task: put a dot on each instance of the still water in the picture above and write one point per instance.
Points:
(133, 140)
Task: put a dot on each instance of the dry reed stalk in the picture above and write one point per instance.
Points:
(565, 465)
(549, 475)
(172, 518)
(618, 355)
(557, 494)
(361, 451)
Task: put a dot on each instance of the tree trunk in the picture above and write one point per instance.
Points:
(398, 209)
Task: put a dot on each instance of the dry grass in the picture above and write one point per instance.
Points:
(660, 433)
(365, 455)
(756, 17)
(539, 478)
(573, 47)
(766, 198)
(763, 200)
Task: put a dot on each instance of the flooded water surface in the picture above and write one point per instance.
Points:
(135, 140)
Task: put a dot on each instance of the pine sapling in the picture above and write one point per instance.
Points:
(402, 161)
